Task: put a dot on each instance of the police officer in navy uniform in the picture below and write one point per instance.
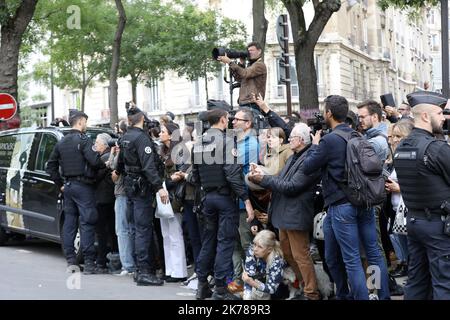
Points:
(423, 169)
(216, 169)
(78, 161)
(139, 161)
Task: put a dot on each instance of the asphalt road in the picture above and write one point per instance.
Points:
(36, 269)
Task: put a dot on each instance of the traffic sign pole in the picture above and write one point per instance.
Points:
(283, 40)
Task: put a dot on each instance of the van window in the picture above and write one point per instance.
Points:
(6, 150)
(17, 149)
(48, 142)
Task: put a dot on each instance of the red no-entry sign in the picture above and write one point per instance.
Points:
(8, 106)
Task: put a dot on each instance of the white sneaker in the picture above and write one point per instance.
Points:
(194, 276)
(125, 273)
(373, 296)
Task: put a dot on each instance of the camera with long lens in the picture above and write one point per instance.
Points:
(318, 123)
(232, 54)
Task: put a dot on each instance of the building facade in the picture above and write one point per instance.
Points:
(362, 54)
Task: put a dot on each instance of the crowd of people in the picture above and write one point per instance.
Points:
(244, 204)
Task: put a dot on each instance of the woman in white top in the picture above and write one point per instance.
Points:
(400, 130)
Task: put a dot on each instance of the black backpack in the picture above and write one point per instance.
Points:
(364, 182)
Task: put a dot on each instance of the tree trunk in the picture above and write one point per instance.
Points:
(134, 81)
(115, 64)
(305, 41)
(205, 74)
(307, 78)
(260, 23)
(12, 31)
(83, 84)
(83, 96)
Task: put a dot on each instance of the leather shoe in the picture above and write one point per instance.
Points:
(172, 279)
(89, 268)
(400, 272)
(203, 291)
(223, 294)
(148, 279)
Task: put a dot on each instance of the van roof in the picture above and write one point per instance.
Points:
(61, 129)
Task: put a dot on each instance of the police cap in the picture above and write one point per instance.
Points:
(135, 110)
(426, 97)
(74, 113)
(171, 115)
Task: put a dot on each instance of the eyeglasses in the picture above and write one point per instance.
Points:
(238, 119)
(292, 138)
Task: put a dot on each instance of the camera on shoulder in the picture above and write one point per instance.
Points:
(318, 123)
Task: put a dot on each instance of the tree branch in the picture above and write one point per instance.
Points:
(295, 9)
(322, 15)
(23, 15)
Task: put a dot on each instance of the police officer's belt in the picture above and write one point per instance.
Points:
(222, 190)
(81, 179)
(133, 169)
(434, 214)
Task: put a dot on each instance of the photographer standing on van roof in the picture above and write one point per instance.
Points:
(78, 162)
(252, 78)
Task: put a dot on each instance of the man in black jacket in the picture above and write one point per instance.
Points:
(345, 224)
(104, 197)
(292, 208)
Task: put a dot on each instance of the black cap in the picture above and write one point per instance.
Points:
(427, 97)
(171, 115)
(135, 110)
(74, 113)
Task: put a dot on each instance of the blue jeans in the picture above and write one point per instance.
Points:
(344, 227)
(400, 244)
(125, 234)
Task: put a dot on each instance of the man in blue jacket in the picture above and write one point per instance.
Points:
(345, 225)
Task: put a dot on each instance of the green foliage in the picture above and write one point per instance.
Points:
(194, 35)
(159, 36)
(77, 54)
(174, 36)
(30, 117)
(8, 9)
(406, 4)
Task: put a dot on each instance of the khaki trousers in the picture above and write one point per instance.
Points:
(295, 247)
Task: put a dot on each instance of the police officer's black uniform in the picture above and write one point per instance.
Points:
(139, 161)
(215, 168)
(78, 162)
(422, 164)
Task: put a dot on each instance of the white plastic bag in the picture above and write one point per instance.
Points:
(163, 211)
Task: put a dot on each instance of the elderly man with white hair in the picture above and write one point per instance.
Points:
(104, 199)
(292, 208)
